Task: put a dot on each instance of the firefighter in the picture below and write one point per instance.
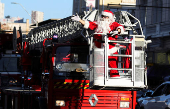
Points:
(105, 24)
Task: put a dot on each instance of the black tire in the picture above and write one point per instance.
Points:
(142, 108)
(137, 106)
(43, 103)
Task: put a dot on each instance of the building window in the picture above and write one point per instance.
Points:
(143, 2)
(168, 10)
(160, 58)
(149, 57)
(143, 11)
(156, 11)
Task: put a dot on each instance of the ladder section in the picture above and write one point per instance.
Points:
(126, 19)
(121, 46)
(66, 30)
(125, 74)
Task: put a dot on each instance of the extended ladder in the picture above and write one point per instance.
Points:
(66, 29)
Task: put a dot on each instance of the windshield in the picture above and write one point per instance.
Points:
(71, 62)
(9, 64)
(72, 54)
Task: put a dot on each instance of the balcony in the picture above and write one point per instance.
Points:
(157, 30)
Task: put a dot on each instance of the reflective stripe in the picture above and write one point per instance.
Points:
(13, 73)
(71, 83)
(10, 55)
(67, 87)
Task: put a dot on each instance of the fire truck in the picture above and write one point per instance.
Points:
(10, 70)
(64, 70)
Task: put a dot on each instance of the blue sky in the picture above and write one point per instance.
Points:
(53, 9)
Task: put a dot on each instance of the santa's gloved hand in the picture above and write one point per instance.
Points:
(75, 18)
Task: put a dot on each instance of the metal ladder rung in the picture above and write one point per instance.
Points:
(126, 29)
(119, 69)
(122, 78)
(120, 55)
(125, 74)
(127, 25)
(119, 41)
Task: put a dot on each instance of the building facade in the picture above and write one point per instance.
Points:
(2, 10)
(154, 16)
(155, 19)
(113, 5)
(37, 16)
(25, 27)
(12, 20)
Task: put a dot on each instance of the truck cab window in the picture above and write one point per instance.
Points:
(72, 54)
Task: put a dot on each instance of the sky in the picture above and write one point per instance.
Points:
(53, 9)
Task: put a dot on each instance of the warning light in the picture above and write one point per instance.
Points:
(55, 37)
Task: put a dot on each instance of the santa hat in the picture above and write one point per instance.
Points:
(108, 14)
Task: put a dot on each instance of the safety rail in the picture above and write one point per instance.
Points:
(132, 77)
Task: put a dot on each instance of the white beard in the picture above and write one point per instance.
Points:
(103, 25)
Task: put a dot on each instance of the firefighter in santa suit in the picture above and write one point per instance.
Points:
(105, 24)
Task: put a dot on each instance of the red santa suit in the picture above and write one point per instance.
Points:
(113, 60)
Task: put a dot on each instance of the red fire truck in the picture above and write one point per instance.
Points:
(10, 70)
(64, 70)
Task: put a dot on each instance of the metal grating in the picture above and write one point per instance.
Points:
(138, 75)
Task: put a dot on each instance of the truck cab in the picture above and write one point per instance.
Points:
(71, 59)
(68, 85)
(79, 73)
